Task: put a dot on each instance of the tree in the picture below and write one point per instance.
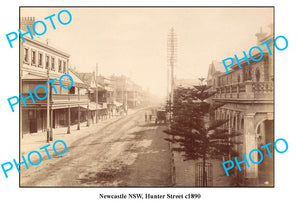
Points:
(195, 129)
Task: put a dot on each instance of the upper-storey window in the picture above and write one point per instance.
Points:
(52, 63)
(59, 66)
(257, 74)
(64, 67)
(26, 55)
(40, 60)
(33, 57)
(72, 90)
(47, 61)
(247, 74)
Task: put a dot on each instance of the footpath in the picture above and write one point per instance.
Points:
(35, 141)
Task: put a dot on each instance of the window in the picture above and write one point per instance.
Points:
(72, 90)
(47, 61)
(40, 59)
(31, 114)
(26, 55)
(33, 57)
(59, 66)
(65, 65)
(247, 74)
(257, 74)
(242, 123)
(52, 63)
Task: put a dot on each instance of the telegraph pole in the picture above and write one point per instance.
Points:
(171, 45)
(171, 48)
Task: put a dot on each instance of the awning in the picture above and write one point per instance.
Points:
(117, 103)
(94, 106)
(108, 88)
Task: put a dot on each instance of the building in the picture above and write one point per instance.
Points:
(39, 63)
(126, 91)
(104, 103)
(249, 106)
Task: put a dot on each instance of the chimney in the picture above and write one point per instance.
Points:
(27, 21)
(260, 36)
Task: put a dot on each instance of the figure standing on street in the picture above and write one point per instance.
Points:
(150, 117)
(145, 117)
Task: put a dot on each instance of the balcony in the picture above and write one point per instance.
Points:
(252, 91)
(58, 101)
(69, 98)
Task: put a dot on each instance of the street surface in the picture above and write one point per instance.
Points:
(126, 152)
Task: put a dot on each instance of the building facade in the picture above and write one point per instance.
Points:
(249, 106)
(39, 63)
(126, 91)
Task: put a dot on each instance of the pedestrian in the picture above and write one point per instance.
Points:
(145, 117)
(150, 118)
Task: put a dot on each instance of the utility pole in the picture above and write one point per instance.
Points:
(96, 92)
(48, 107)
(171, 47)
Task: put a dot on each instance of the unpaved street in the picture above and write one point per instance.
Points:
(127, 152)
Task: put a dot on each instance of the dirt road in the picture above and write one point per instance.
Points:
(127, 152)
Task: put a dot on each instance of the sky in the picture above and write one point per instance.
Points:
(133, 41)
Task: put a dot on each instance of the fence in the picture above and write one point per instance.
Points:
(199, 174)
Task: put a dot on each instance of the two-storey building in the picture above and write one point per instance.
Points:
(249, 106)
(39, 63)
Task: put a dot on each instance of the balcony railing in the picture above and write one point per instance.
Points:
(246, 90)
(57, 99)
(67, 97)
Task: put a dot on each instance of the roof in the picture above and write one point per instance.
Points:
(215, 68)
(94, 106)
(255, 53)
(86, 77)
(44, 43)
(219, 67)
(42, 76)
(89, 79)
(75, 78)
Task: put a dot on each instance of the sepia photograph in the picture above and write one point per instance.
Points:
(146, 96)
